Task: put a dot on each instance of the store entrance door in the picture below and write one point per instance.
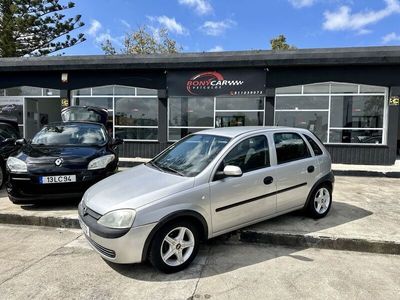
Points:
(40, 112)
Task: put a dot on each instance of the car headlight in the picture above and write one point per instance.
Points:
(122, 218)
(16, 165)
(101, 162)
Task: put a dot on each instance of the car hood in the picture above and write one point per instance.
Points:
(134, 188)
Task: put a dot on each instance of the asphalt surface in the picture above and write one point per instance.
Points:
(365, 216)
(51, 263)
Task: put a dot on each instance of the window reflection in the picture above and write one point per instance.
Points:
(136, 111)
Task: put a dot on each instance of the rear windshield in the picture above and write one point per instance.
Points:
(71, 134)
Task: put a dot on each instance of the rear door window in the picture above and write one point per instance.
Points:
(250, 154)
(317, 150)
(290, 147)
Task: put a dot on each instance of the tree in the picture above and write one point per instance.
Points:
(144, 41)
(279, 43)
(36, 27)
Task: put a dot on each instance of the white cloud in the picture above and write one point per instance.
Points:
(201, 7)
(344, 19)
(170, 24)
(216, 28)
(126, 24)
(302, 3)
(391, 37)
(216, 49)
(95, 26)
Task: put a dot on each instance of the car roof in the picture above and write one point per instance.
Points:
(233, 132)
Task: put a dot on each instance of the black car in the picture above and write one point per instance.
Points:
(61, 162)
(9, 133)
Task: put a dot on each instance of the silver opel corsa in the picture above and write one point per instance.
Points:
(207, 184)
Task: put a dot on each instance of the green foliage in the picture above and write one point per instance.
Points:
(144, 41)
(36, 27)
(279, 43)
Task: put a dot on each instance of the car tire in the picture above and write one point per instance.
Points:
(174, 246)
(3, 175)
(320, 201)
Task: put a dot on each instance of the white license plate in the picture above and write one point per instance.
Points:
(85, 229)
(57, 179)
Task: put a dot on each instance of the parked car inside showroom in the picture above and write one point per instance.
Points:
(9, 134)
(62, 160)
(209, 183)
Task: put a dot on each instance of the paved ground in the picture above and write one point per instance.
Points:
(364, 207)
(365, 216)
(50, 263)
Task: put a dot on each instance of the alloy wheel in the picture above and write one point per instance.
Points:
(177, 246)
(322, 200)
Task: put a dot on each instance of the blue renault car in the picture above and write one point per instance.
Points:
(63, 159)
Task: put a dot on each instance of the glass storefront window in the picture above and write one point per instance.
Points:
(51, 92)
(136, 133)
(145, 92)
(356, 117)
(136, 111)
(302, 102)
(342, 88)
(103, 102)
(355, 136)
(12, 108)
(82, 92)
(289, 90)
(191, 112)
(130, 116)
(371, 89)
(315, 121)
(318, 88)
(228, 119)
(175, 134)
(124, 90)
(357, 111)
(24, 91)
(107, 90)
(256, 103)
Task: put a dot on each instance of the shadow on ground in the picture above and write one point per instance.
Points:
(340, 214)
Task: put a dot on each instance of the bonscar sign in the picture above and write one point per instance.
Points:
(236, 82)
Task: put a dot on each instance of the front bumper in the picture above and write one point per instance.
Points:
(26, 188)
(126, 249)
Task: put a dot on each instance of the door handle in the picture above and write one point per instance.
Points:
(310, 169)
(268, 180)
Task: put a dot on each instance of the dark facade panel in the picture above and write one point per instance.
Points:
(361, 155)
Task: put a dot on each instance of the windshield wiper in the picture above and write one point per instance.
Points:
(151, 163)
(172, 170)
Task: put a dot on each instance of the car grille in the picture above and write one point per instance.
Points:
(103, 250)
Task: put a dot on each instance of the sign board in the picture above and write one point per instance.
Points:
(232, 82)
(394, 101)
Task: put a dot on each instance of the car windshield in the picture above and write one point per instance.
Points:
(71, 134)
(191, 155)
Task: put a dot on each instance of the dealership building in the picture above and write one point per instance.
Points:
(349, 97)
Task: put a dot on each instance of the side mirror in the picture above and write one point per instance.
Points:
(116, 142)
(232, 171)
(20, 142)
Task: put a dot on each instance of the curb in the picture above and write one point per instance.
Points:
(366, 173)
(16, 219)
(324, 242)
(244, 236)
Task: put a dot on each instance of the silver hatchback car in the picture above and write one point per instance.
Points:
(207, 184)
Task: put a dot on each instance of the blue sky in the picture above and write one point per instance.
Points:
(211, 25)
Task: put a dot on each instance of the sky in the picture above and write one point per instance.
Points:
(225, 25)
